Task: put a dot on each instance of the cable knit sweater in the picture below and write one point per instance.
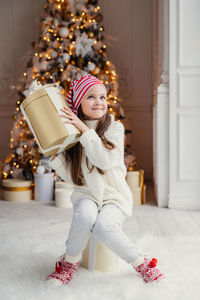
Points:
(110, 187)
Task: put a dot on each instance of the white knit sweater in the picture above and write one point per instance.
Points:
(110, 187)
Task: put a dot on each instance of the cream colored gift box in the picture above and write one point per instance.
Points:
(63, 191)
(17, 190)
(98, 257)
(138, 188)
(41, 110)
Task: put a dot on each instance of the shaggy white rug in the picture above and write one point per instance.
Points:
(30, 247)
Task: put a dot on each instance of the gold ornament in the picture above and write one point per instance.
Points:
(96, 71)
(141, 176)
(91, 34)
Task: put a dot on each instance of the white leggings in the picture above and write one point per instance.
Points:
(105, 223)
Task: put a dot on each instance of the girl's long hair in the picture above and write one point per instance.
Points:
(74, 154)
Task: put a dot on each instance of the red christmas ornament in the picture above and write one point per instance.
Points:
(58, 267)
(153, 263)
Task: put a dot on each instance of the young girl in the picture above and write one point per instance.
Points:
(101, 199)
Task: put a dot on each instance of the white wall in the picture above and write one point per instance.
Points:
(19, 22)
(129, 22)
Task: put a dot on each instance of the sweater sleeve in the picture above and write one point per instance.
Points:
(97, 153)
(61, 167)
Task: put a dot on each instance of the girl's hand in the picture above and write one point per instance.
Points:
(73, 119)
(52, 157)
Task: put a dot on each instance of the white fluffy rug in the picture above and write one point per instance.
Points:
(30, 248)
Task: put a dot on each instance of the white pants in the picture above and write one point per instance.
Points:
(105, 223)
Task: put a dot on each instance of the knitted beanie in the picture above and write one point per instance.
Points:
(78, 89)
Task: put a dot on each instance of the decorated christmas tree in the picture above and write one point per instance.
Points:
(71, 39)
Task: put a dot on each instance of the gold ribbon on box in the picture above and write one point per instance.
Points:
(141, 178)
(133, 167)
(17, 189)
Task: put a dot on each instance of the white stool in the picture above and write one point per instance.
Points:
(98, 257)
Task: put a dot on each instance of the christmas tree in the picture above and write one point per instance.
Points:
(71, 39)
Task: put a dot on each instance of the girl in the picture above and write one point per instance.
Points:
(101, 199)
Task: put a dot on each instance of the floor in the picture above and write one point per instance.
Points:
(32, 237)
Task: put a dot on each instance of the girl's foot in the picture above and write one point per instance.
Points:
(63, 271)
(149, 271)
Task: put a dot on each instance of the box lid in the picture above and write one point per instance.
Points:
(40, 93)
(11, 182)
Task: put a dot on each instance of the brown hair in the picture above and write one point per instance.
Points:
(74, 154)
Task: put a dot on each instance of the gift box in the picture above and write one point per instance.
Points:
(136, 195)
(135, 180)
(41, 109)
(17, 190)
(63, 193)
(98, 257)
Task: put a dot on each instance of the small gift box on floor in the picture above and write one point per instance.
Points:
(63, 191)
(17, 190)
(41, 110)
(135, 180)
(98, 257)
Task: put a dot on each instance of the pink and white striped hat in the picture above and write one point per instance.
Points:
(78, 90)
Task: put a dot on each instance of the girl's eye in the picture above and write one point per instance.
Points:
(92, 97)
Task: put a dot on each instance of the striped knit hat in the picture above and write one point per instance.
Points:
(79, 89)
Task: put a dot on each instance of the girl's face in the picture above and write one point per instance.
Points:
(94, 103)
